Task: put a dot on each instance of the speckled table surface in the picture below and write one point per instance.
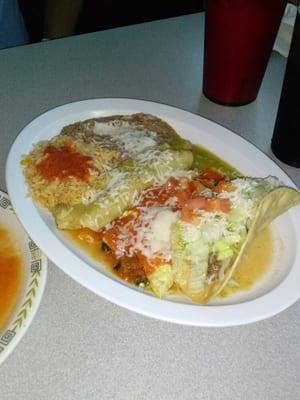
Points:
(79, 345)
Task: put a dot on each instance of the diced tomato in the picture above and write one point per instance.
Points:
(192, 188)
(210, 173)
(224, 186)
(222, 205)
(203, 203)
(188, 215)
(198, 202)
(208, 183)
(172, 183)
(182, 196)
(184, 182)
(183, 189)
(196, 186)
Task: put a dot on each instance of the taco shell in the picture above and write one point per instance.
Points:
(273, 204)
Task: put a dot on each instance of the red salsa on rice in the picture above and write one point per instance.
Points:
(64, 162)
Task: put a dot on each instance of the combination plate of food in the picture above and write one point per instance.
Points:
(159, 210)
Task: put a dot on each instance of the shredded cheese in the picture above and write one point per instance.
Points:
(132, 141)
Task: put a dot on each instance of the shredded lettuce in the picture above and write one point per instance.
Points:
(161, 280)
(190, 260)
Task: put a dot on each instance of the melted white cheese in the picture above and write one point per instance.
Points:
(133, 141)
(160, 231)
(153, 230)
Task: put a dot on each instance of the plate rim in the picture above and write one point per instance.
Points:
(210, 315)
(29, 301)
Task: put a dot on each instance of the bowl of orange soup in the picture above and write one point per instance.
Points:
(23, 271)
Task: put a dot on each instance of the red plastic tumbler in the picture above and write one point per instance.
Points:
(239, 37)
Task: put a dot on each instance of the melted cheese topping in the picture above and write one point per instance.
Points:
(152, 233)
(158, 235)
(133, 141)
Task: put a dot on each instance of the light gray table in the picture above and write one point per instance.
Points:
(80, 346)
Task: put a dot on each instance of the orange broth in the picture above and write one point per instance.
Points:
(10, 275)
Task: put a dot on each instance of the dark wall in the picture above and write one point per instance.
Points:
(33, 13)
(104, 14)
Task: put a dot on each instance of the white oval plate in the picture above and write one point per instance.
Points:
(273, 294)
(34, 279)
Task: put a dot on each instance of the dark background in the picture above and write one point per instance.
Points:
(104, 14)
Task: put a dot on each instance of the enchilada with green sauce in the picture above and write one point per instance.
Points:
(122, 187)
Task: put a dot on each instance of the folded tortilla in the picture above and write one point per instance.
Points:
(122, 187)
(273, 204)
(191, 252)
